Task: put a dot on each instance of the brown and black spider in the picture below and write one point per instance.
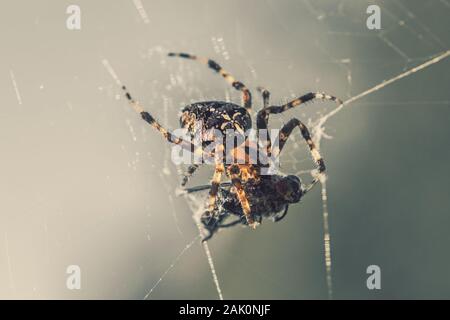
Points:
(250, 194)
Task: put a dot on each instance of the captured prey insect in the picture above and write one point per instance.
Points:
(269, 198)
(249, 195)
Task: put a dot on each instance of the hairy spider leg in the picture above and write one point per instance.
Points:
(265, 95)
(262, 122)
(204, 187)
(155, 124)
(242, 197)
(298, 101)
(219, 169)
(262, 117)
(215, 183)
(213, 190)
(283, 136)
(246, 95)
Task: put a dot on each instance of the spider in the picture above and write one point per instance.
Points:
(250, 195)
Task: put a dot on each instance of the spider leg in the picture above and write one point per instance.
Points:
(265, 95)
(284, 134)
(263, 114)
(263, 120)
(155, 124)
(209, 218)
(204, 187)
(262, 117)
(230, 224)
(212, 225)
(214, 189)
(209, 235)
(246, 95)
(242, 197)
(188, 174)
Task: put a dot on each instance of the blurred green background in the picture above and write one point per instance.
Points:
(84, 181)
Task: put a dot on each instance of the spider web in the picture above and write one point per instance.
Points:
(398, 21)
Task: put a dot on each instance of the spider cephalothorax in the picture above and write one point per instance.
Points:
(250, 195)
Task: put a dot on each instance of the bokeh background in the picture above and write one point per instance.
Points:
(84, 181)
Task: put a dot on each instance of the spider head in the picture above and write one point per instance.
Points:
(290, 188)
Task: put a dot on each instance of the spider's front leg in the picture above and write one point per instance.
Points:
(265, 95)
(284, 134)
(215, 183)
(262, 118)
(242, 197)
(263, 114)
(187, 145)
(246, 95)
(208, 219)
